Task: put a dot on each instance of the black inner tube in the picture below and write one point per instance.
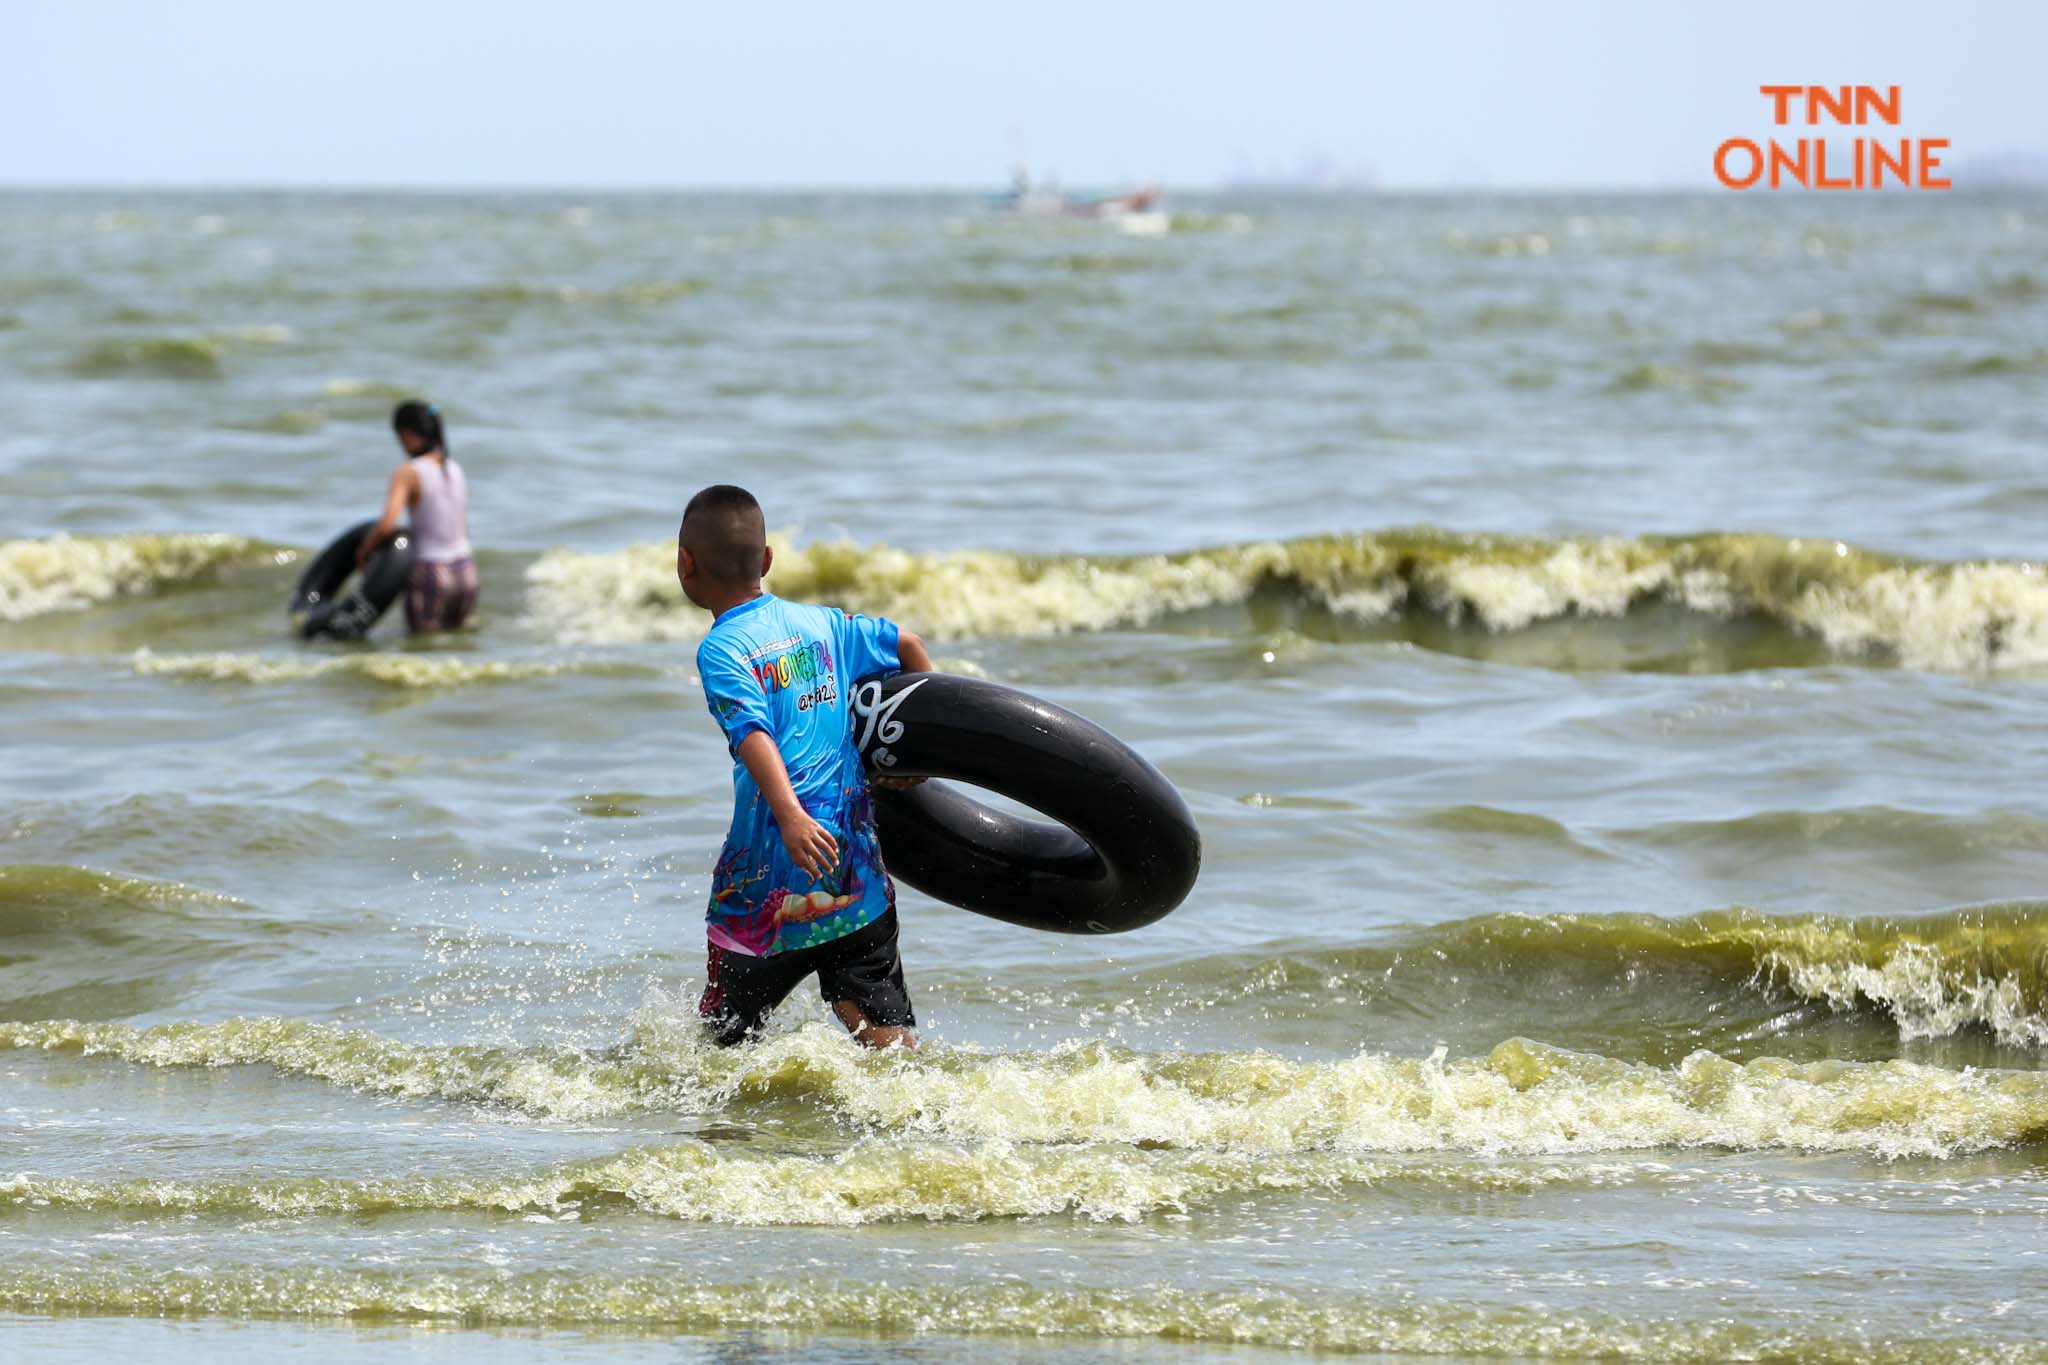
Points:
(319, 614)
(1125, 849)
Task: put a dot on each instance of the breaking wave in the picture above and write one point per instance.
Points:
(1978, 968)
(1521, 1099)
(1955, 617)
(1946, 617)
(66, 573)
(874, 1181)
(1960, 617)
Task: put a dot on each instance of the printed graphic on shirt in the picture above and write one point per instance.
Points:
(784, 669)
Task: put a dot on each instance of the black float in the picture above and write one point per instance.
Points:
(316, 612)
(1124, 852)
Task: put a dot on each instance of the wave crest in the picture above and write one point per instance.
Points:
(1964, 617)
(1521, 1099)
(1935, 976)
(873, 1181)
(1951, 617)
(38, 898)
(68, 573)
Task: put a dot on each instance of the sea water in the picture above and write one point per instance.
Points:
(1603, 640)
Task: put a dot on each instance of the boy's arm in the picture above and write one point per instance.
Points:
(811, 846)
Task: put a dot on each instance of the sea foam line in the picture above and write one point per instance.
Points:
(1520, 1099)
(1246, 1314)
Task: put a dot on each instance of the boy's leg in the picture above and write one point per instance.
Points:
(868, 1034)
(861, 978)
(740, 991)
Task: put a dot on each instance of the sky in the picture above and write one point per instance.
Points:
(676, 93)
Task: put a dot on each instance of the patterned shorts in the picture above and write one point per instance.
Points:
(440, 596)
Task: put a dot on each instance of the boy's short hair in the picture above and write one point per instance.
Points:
(724, 531)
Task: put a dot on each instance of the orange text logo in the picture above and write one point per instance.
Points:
(1867, 161)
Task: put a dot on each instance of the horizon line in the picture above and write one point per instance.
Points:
(1278, 189)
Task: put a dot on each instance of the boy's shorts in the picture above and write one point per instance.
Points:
(863, 967)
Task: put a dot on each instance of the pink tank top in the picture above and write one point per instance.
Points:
(440, 519)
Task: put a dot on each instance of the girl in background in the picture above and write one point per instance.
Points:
(443, 589)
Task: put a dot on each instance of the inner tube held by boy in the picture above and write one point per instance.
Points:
(1125, 849)
(318, 614)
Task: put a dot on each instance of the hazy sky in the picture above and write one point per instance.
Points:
(665, 92)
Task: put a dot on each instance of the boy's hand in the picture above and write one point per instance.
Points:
(896, 784)
(811, 846)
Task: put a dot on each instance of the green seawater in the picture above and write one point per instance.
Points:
(1608, 677)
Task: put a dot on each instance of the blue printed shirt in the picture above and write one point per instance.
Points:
(788, 670)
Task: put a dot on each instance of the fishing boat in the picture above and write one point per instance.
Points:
(1049, 201)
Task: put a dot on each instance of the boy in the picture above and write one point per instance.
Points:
(799, 887)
